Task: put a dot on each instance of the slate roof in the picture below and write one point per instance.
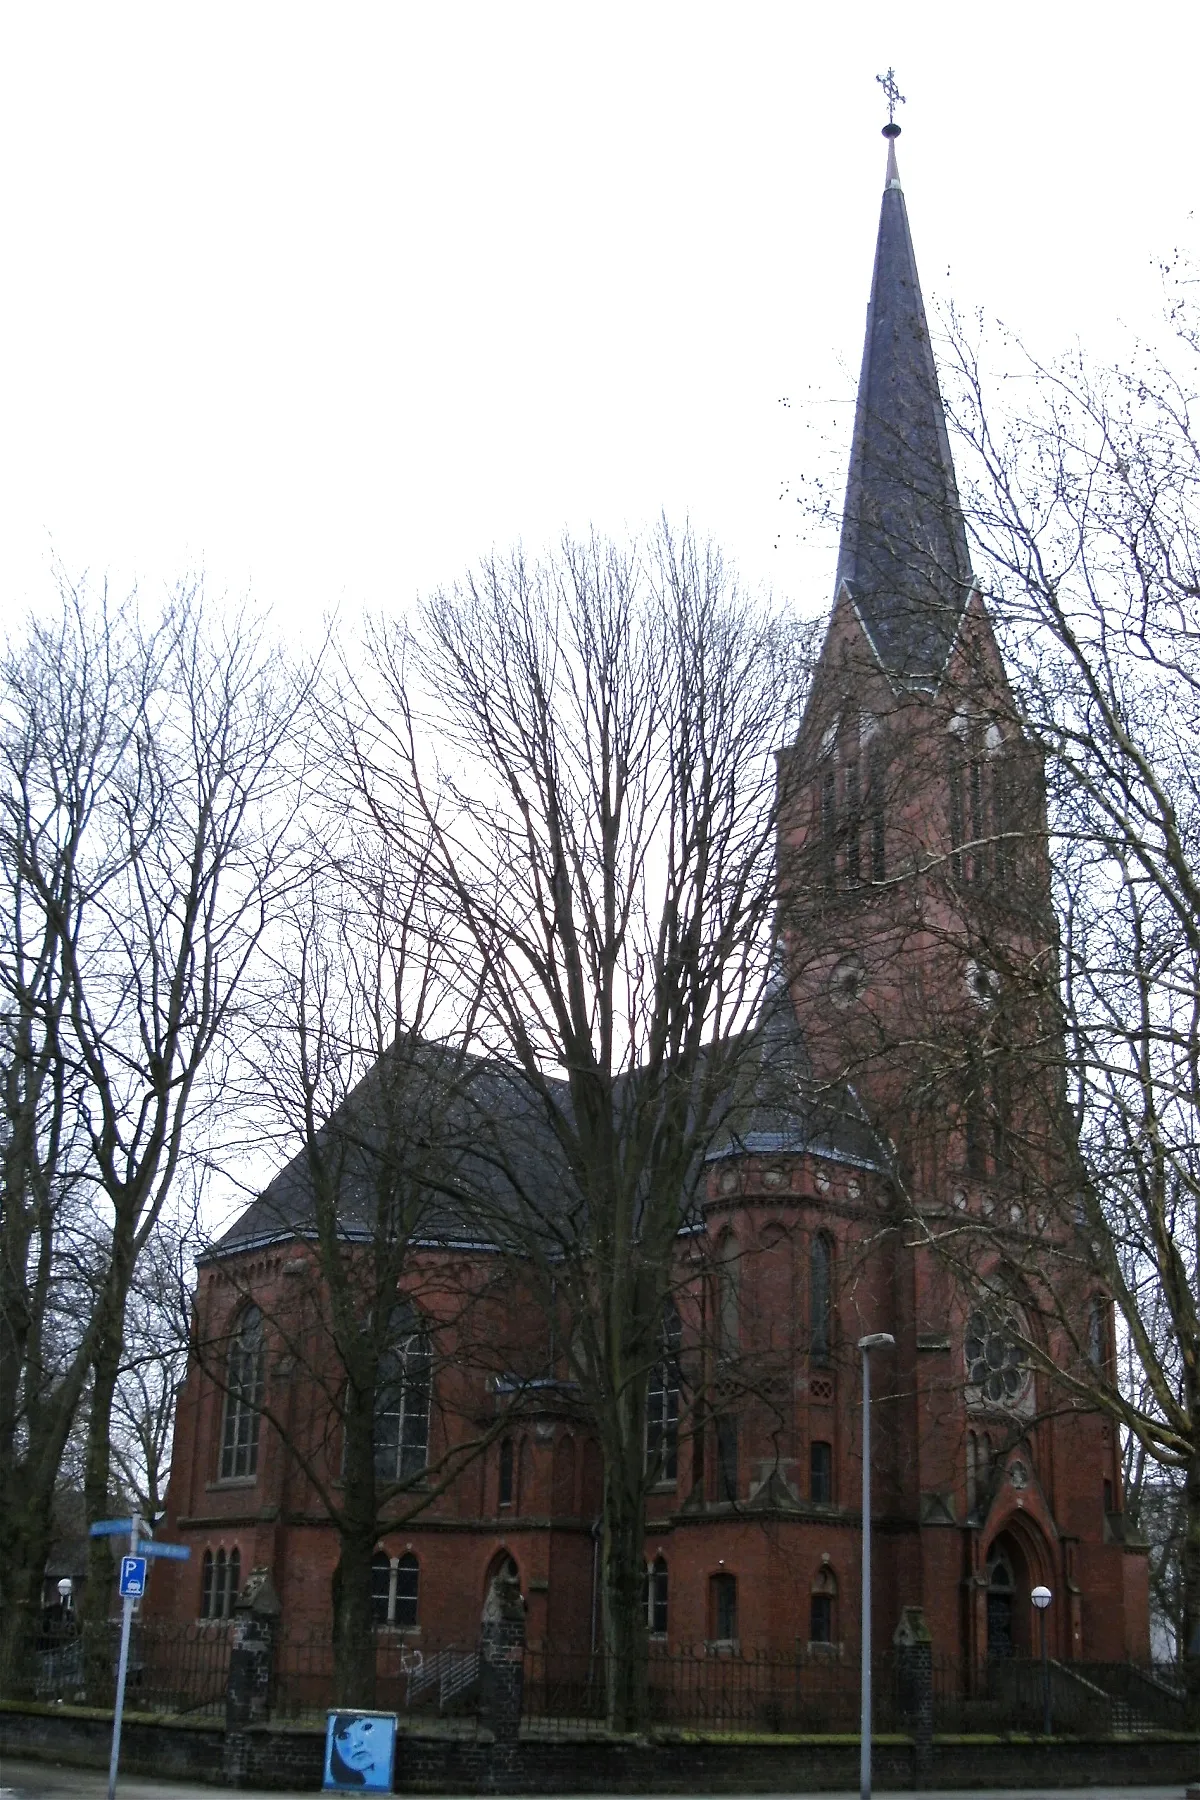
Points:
(785, 1111)
(903, 553)
(466, 1131)
(478, 1151)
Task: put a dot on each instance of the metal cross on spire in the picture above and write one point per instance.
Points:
(894, 99)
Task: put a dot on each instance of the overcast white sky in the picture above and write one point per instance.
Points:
(329, 301)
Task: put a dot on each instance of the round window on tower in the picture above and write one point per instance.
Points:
(983, 984)
(847, 981)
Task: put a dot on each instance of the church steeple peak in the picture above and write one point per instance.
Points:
(903, 558)
(891, 130)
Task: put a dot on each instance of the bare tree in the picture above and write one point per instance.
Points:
(364, 1060)
(602, 819)
(145, 818)
(153, 1364)
(1084, 503)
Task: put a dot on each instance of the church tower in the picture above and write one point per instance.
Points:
(915, 907)
(914, 879)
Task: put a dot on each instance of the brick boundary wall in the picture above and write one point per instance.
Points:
(433, 1763)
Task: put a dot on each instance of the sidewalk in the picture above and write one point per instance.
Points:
(42, 1781)
(46, 1781)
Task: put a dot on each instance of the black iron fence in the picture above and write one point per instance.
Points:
(172, 1668)
(711, 1688)
(184, 1670)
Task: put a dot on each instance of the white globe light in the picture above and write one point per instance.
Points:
(1041, 1597)
(64, 1588)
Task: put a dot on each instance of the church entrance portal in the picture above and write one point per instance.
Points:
(999, 1607)
(1008, 1586)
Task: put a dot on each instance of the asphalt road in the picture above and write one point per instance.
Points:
(44, 1781)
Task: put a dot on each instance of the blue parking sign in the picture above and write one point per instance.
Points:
(133, 1577)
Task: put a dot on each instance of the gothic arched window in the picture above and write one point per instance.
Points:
(722, 1607)
(822, 1607)
(244, 1372)
(851, 817)
(222, 1580)
(974, 1113)
(728, 1320)
(662, 1401)
(656, 1597)
(821, 1297)
(852, 797)
(877, 802)
(820, 1472)
(381, 1588)
(726, 1429)
(979, 1471)
(408, 1592)
(1000, 780)
(827, 789)
(983, 796)
(402, 1396)
(1098, 1331)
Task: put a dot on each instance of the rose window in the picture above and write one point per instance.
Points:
(996, 1365)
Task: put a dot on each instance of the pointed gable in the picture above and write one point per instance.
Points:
(903, 558)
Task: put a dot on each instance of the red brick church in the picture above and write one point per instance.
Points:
(914, 887)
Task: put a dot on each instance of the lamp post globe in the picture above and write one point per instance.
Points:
(1041, 1597)
(64, 1588)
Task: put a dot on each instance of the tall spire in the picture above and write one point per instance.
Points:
(904, 552)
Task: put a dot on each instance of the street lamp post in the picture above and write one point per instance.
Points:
(1041, 1597)
(877, 1340)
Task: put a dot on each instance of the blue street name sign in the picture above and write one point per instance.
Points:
(111, 1528)
(133, 1577)
(176, 1552)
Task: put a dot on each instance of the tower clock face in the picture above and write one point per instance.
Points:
(847, 981)
(983, 984)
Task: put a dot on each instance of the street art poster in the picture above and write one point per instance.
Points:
(360, 1752)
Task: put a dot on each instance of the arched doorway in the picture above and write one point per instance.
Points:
(1013, 1569)
(501, 1564)
(1000, 1604)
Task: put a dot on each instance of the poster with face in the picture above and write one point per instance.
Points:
(360, 1752)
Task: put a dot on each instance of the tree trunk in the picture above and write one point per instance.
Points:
(98, 1595)
(353, 1626)
(27, 1516)
(97, 1474)
(27, 1534)
(623, 1551)
(1190, 1641)
(109, 1331)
